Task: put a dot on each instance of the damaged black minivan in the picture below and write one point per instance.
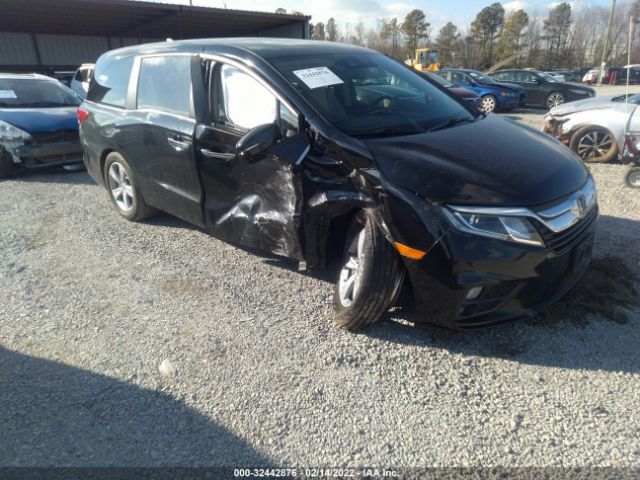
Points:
(321, 152)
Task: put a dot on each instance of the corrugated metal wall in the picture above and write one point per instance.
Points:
(17, 49)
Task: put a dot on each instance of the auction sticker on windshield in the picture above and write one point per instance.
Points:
(317, 77)
(7, 94)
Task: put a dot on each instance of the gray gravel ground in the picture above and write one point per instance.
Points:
(255, 372)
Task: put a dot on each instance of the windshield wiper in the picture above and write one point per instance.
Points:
(451, 122)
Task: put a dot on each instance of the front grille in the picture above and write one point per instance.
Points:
(59, 136)
(560, 242)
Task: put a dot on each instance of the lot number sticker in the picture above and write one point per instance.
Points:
(7, 94)
(317, 77)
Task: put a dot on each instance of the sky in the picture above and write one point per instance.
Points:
(439, 12)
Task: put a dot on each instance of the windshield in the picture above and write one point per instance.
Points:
(35, 93)
(547, 77)
(438, 79)
(482, 78)
(370, 94)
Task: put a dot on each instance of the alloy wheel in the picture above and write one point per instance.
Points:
(488, 104)
(349, 281)
(120, 187)
(554, 100)
(594, 145)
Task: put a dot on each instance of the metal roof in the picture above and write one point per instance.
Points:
(125, 18)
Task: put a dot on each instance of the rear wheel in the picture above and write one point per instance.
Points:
(371, 276)
(554, 99)
(594, 145)
(488, 104)
(121, 185)
(633, 177)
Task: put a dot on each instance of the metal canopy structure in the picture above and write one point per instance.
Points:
(125, 18)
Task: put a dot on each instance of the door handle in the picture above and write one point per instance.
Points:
(179, 145)
(224, 157)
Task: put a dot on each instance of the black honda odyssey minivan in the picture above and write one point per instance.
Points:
(329, 153)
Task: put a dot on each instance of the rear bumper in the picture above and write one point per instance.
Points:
(517, 281)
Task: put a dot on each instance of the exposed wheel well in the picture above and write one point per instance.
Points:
(337, 236)
(103, 159)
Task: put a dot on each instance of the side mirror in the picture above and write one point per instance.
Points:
(254, 144)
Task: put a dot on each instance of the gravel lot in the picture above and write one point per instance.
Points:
(154, 344)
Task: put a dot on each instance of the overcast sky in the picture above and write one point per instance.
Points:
(460, 12)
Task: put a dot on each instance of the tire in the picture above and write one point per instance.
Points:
(594, 145)
(361, 298)
(554, 99)
(488, 104)
(633, 177)
(121, 185)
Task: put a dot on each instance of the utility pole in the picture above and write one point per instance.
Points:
(605, 47)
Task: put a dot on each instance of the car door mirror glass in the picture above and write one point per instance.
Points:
(254, 144)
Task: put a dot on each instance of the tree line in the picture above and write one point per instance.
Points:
(562, 37)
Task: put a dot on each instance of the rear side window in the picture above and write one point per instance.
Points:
(110, 82)
(165, 84)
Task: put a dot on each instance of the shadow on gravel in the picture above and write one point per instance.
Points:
(52, 175)
(56, 415)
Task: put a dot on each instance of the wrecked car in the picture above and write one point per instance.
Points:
(38, 125)
(593, 128)
(290, 146)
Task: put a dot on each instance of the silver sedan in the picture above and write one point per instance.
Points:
(593, 128)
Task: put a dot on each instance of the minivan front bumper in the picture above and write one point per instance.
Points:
(467, 281)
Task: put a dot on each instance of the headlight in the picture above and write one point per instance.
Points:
(9, 133)
(578, 92)
(499, 225)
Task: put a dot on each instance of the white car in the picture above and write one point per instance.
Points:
(593, 128)
(81, 79)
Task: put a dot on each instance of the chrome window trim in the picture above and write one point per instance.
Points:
(557, 218)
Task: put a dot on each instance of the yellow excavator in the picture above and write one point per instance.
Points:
(425, 60)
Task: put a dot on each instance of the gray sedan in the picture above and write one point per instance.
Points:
(593, 128)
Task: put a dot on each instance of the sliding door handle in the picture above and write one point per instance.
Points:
(179, 145)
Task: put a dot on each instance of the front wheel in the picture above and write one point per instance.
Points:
(594, 145)
(370, 278)
(488, 104)
(554, 99)
(633, 177)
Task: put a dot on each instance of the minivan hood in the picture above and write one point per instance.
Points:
(490, 162)
(42, 119)
(586, 104)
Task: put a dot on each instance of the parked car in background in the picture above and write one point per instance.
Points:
(38, 123)
(568, 75)
(542, 89)
(593, 128)
(495, 96)
(464, 93)
(81, 79)
(289, 146)
(557, 76)
(591, 77)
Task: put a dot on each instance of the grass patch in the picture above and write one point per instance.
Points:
(608, 288)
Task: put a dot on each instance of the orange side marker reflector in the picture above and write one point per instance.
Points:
(409, 252)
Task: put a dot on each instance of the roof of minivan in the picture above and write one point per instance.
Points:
(23, 76)
(262, 47)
